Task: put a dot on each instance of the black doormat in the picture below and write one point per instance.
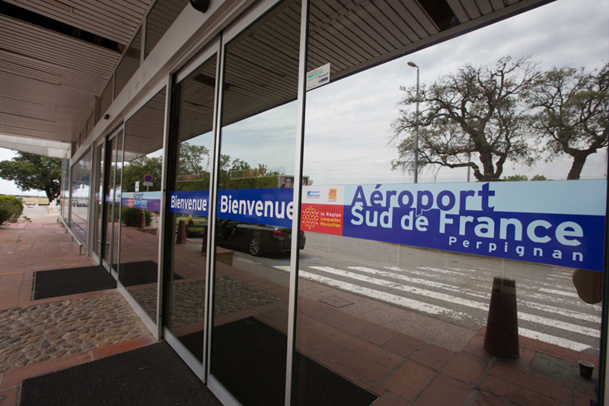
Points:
(248, 358)
(71, 281)
(151, 375)
(139, 273)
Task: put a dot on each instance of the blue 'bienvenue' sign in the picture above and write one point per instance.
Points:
(558, 223)
(193, 202)
(262, 206)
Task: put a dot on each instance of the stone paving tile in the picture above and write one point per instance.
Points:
(433, 356)
(467, 368)
(445, 391)
(45, 336)
(410, 381)
(232, 296)
(46, 331)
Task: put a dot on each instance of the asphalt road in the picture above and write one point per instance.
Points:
(454, 289)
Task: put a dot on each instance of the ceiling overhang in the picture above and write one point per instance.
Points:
(49, 80)
(53, 149)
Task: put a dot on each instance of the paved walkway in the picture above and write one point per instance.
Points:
(42, 336)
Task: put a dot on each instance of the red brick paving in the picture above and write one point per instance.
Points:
(401, 369)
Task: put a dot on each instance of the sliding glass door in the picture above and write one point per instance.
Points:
(187, 224)
(253, 220)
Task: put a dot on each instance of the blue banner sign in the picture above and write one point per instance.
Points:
(142, 200)
(558, 223)
(263, 206)
(193, 202)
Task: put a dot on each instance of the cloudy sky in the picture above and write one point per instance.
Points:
(571, 33)
(348, 125)
(349, 122)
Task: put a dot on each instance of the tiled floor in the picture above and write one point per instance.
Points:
(400, 369)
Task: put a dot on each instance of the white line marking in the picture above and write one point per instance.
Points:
(546, 338)
(386, 297)
(453, 299)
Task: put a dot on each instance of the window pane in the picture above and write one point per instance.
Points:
(186, 313)
(408, 289)
(129, 64)
(160, 18)
(140, 200)
(81, 183)
(259, 122)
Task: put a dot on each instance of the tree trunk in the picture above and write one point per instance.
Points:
(577, 166)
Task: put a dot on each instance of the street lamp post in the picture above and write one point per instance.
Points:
(416, 133)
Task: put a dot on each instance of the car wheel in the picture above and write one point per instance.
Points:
(254, 246)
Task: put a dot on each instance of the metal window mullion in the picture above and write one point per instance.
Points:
(90, 218)
(213, 193)
(109, 221)
(121, 133)
(298, 161)
(144, 35)
(162, 212)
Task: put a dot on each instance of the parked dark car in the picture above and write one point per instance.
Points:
(256, 238)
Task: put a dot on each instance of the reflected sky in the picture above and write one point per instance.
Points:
(348, 123)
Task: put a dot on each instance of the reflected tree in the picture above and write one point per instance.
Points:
(238, 174)
(521, 178)
(473, 118)
(194, 159)
(193, 169)
(573, 106)
(135, 171)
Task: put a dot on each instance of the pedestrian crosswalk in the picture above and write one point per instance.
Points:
(549, 309)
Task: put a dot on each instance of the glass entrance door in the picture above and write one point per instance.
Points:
(100, 155)
(186, 288)
(253, 219)
(111, 206)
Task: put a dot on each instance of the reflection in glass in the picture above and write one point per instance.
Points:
(100, 157)
(380, 310)
(129, 63)
(259, 122)
(65, 188)
(186, 292)
(140, 202)
(109, 206)
(81, 182)
(159, 19)
(109, 177)
(106, 97)
(115, 194)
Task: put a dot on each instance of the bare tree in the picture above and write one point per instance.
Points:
(474, 113)
(573, 109)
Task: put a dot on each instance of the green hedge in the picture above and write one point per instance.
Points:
(131, 216)
(10, 209)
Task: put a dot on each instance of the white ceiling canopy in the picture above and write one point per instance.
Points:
(56, 56)
(53, 149)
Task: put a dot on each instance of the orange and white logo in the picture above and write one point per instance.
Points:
(310, 218)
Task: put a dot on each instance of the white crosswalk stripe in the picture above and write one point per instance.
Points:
(550, 312)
